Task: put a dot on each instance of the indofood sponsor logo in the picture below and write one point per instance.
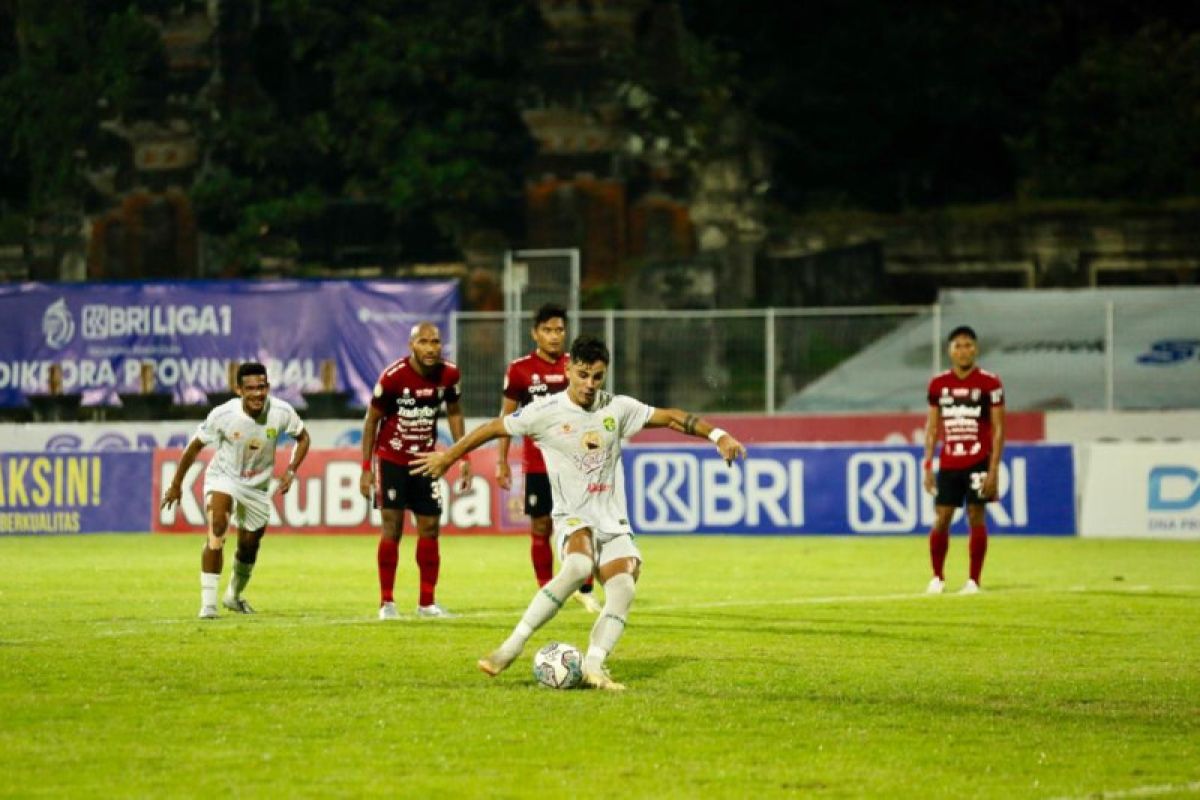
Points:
(58, 325)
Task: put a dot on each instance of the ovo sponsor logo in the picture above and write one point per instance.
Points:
(681, 492)
(884, 494)
(1173, 487)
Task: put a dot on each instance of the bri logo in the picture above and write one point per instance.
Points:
(884, 493)
(1173, 487)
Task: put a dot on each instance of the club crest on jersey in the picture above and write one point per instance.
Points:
(535, 378)
(272, 433)
(610, 424)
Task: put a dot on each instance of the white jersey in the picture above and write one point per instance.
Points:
(582, 448)
(246, 445)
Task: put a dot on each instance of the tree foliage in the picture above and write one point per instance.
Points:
(411, 104)
(415, 106)
(883, 106)
(68, 66)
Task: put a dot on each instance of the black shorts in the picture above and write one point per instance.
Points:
(397, 488)
(539, 502)
(954, 486)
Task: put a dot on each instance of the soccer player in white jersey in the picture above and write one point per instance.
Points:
(580, 432)
(237, 482)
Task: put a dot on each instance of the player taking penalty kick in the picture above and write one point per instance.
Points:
(531, 377)
(580, 432)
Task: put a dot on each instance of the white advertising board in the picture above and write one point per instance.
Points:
(1141, 491)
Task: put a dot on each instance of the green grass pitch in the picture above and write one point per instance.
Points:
(757, 667)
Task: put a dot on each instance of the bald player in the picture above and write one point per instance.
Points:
(401, 424)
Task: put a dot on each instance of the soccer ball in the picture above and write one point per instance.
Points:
(558, 665)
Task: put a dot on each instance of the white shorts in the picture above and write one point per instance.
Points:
(251, 505)
(609, 546)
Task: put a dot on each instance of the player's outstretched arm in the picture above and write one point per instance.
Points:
(503, 472)
(687, 423)
(174, 492)
(299, 453)
(436, 463)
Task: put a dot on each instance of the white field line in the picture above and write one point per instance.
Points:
(1138, 791)
(283, 623)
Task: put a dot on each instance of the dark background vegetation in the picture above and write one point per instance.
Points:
(412, 110)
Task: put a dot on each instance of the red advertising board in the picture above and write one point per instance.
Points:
(325, 497)
(1020, 426)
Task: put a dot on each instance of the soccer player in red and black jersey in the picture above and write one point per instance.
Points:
(966, 408)
(530, 377)
(401, 424)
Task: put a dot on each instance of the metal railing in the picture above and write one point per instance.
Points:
(1137, 350)
(743, 360)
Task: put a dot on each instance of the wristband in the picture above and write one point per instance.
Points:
(366, 465)
(715, 435)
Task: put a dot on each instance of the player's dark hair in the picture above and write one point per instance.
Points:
(250, 368)
(962, 330)
(588, 350)
(549, 311)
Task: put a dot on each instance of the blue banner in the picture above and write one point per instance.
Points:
(46, 493)
(101, 334)
(833, 490)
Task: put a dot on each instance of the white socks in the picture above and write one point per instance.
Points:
(572, 573)
(618, 597)
(208, 589)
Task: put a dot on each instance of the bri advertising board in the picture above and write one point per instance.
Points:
(190, 332)
(777, 490)
(833, 490)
